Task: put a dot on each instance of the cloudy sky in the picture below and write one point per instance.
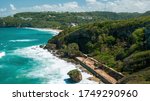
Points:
(9, 7)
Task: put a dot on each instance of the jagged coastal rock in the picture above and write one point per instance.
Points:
(42, 46)
(75, 75)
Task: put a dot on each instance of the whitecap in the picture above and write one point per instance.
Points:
(51, 69)
(2, 54)
(23, 40)
(53, 31)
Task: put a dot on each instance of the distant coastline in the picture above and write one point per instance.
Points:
(39, 29)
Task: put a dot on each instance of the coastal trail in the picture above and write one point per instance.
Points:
(98, 72)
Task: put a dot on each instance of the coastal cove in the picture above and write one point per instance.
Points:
(24, 62)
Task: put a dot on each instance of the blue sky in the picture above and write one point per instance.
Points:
(9, 7)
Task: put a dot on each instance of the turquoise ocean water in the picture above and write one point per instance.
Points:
(23, 62)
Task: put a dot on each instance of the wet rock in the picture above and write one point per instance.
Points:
(75, 75)
(41, 46)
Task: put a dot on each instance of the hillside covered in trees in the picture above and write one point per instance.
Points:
(119, 40)
(61, 20)
(121, 44)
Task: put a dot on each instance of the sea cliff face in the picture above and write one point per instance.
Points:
(123, 45)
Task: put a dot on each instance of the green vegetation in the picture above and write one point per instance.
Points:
(140, 77)
(137, 61)
(61, 20)
(122, 44)
(119, 40)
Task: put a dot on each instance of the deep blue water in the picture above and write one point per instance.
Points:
(23, 62)
(11, 65)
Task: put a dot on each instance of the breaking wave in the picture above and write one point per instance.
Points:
(2, 54)
(53, 31)
(51, 69)
(23, 40)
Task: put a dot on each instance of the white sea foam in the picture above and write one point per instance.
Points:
(2, 54)
(23, 40)
(54, 32)
(51, 69)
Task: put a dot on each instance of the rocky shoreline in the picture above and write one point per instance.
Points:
(53, 50)
(71, 60)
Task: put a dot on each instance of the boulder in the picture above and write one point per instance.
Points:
(50, 46)
(41, 46)
(75, 75)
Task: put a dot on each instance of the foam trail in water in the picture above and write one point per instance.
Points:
(2, 54)
(51, 69)
(23, 40)
(54, 32)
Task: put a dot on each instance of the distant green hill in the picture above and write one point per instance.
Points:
(61, 20)
(146, 13)
(119, 40)
(122, 44)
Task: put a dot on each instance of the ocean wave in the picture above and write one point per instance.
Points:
(2, 54)
(54, 32)
(23, 40)
(51, 69)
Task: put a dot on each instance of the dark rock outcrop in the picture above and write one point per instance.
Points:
(42, 46)
(75, 75)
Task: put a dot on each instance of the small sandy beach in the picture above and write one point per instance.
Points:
(46, 29)
(50, 29)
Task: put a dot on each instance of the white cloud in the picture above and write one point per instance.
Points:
(91, 1)
(70, 6)
(12, 7)
(94, 5)
(3, 9)
(129, 6)
(91, 5)
(119, 5)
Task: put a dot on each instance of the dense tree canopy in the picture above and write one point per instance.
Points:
(122, 44)
(119, 40)
(60, 20)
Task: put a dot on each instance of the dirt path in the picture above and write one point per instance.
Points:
(99, 71)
